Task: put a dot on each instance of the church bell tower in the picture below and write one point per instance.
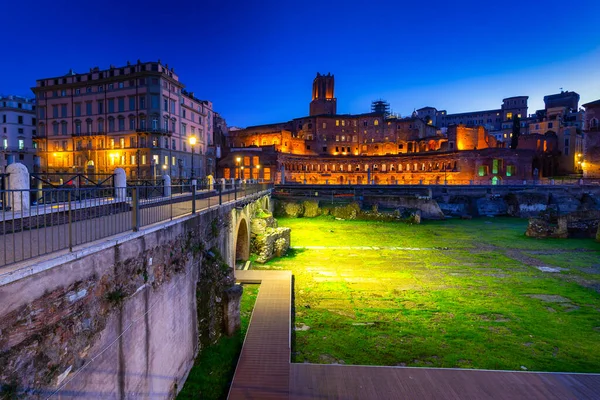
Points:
(323, 102)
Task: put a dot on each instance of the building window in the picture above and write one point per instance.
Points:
(20, 119)
(510, 170)
(376, 122)
(482, 170)
(509, 115)
(121, 124)
(324, 127)
(496, 165)
(21, 144)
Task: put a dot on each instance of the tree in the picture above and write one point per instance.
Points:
(516, 132)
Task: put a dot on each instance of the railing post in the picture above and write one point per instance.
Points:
(220, 194)
(193, 198)
(70, 222)
(234, 191)
(135, 209)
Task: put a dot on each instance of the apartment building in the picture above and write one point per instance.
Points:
(17, 128)
(138, 117)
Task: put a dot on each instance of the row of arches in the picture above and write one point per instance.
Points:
(374, 167)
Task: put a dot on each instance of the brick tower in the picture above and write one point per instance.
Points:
(323, 102)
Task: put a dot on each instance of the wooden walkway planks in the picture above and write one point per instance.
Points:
(315, 381)
(264, 365)
(264, 370)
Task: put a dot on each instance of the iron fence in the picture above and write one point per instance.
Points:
(82, 215)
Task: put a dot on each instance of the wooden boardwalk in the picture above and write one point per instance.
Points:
(264, 370)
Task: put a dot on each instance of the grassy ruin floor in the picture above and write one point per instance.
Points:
(213, 369)
(454, 293)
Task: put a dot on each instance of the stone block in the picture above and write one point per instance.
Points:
(311, 209)
(231, 311)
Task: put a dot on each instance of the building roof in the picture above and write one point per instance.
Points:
(592, 104)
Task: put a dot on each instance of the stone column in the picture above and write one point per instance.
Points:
(231, 312)
(18, 181)
(120, 183)
(166, 185)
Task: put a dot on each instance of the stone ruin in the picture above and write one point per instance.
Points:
(267, 239)
(578, 224)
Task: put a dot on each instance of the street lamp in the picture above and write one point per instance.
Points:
(192, 141)
(238, 160)
(257, 171)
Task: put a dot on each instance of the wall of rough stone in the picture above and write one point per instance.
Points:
(120, 319)
(519, 201)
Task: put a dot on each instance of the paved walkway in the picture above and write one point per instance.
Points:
(264, 370)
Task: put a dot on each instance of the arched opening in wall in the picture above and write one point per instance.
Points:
(242, 246)
(496, 180)
(536, 168)
(341, 179)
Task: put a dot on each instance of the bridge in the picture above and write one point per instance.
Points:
(123, 292)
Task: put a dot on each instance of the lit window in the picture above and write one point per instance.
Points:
(509, 115)
(376, 122)
(337, 122)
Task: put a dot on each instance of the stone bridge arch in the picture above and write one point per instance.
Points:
(242, 238)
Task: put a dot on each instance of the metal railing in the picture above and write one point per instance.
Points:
(31, 229)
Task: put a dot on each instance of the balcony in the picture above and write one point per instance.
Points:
(88, 134)
(16, 149)
(155, 131)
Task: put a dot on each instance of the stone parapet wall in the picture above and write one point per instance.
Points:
(122, 319)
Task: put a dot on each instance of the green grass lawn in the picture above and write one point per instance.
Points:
(454, 293)
(213, 369)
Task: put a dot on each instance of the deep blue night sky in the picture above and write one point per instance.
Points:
(256, 60)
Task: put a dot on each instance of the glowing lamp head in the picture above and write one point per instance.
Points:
(258, 167)
(238, 159)
(192, 140)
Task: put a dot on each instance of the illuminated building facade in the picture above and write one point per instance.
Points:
(325, 147)
(590, 160)
(562, 118)
(137, 117)
(17, 128)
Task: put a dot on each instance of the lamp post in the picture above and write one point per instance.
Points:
(192, 141)
(238, 160)
(257, 172)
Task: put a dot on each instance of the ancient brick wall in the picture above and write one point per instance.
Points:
(122, 318)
